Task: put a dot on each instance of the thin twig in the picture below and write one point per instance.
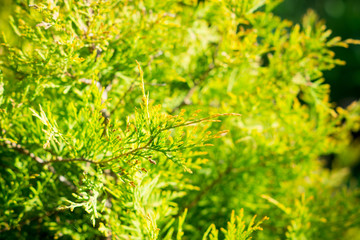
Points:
(201, 79)
(19, 148)
(132, 85)
(60, 159)
(32, 220)
(230, 169)
(190, 93)
(208, 188)
(206, 119)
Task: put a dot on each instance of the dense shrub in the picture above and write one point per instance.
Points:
(109, 107)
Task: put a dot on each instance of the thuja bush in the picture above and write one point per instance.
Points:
(175, 119)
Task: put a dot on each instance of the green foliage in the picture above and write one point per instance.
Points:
(236, 228)
(107, 107)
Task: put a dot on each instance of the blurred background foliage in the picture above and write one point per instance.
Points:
(343, 18)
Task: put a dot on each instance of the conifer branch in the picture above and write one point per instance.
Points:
(146, 146)
(131, 152)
